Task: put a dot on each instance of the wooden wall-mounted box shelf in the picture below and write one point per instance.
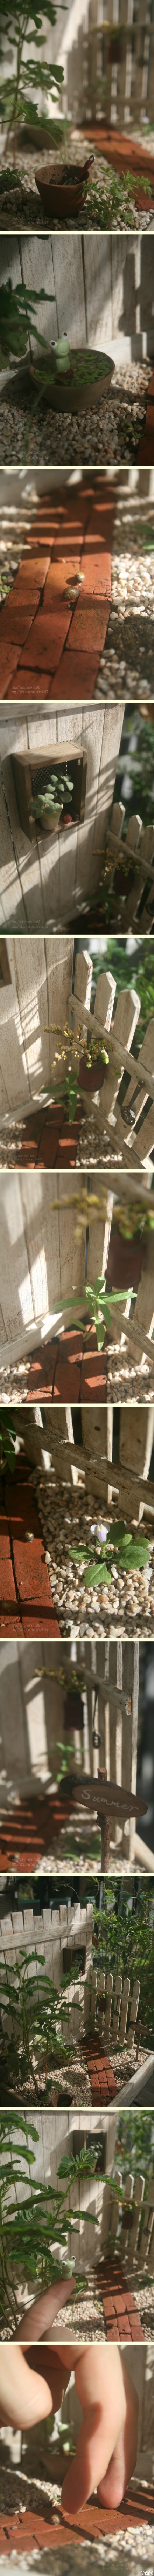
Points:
(33, 772)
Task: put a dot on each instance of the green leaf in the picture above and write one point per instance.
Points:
(97, 1574)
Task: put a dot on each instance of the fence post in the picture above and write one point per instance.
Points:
(134, 2011)
(107, 2017)
(117, 2002)
(124, 2010)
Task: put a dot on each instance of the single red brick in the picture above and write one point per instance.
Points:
(47, 638)
(137, 2331)
(17, 617)
(40, 1624)
(77, 676)
(113, 2334)
(33, 568)
(30, 684)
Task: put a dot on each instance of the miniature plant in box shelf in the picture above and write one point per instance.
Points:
(47, 804)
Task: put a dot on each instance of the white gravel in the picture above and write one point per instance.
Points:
(66, 1519)
(109, 433)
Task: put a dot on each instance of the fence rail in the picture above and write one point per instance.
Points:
(127, 1481)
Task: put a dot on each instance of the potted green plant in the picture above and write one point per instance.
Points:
(46, 805)
(71, 379)
(91, 1066)
(77, 1073)
(62, 184)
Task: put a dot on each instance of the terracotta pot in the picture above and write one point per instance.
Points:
(117, 44)
(61, 189)
(67, 390)
(127, 2215)
(91, 1076)
(73, 1710)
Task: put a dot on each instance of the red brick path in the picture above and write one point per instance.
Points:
(61, 1370)
(102, 2079)
(21, 2531)
(121, 2317)
(25, 1593)
(33, 1826)
(43, 639)
(124, 155)
(46, 1140)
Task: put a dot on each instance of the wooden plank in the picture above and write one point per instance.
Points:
(37, 271)
(14, 1077)
(135, 1446)
(134, 2010)
(69, 288)
(125, 1022)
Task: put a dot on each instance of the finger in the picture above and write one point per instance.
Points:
(86, 2468)
(112, 2487)
(51, 2369)
(24, 2398)
(40, 2317)
(106, 2408)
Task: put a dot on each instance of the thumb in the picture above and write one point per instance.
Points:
(24, 2398)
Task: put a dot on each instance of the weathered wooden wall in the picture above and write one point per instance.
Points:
(40, 887)
(102, 295)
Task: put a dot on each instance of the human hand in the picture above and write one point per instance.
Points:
(107, 2442)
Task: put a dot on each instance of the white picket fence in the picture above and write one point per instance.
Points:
(120, 90)
(49, 1443)
(120, 1125)
(44, 1259)
(133, 903)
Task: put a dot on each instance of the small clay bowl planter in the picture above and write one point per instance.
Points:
(61, 186)
(47, 822)
(91, 1076)
(73, 1710)
(84, 382)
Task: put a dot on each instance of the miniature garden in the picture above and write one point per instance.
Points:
(60, 394)
(74, 2001)
(90, 1332)
(72, 173)
(65, 1571)
(115, 640)
(50, 2232)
